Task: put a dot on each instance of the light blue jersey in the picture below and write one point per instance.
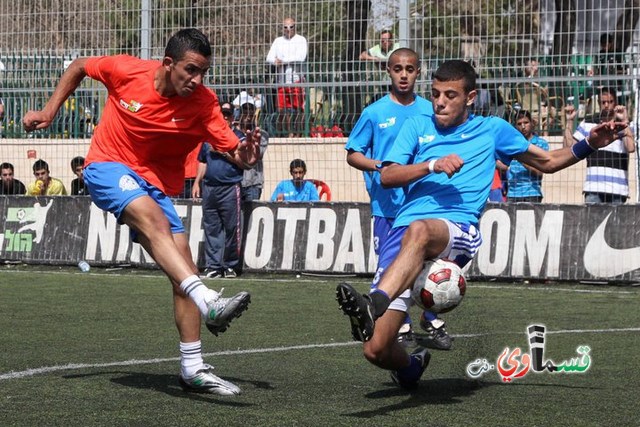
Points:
(523, 183)
(461, 199)
(374, 135)
(307, 192)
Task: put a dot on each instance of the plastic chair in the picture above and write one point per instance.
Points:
(324, 192)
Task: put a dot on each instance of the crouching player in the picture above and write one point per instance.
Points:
(447, 162)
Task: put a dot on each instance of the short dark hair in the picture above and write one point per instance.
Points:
(6, 165)
(386, 32)
(456, 69)
(611, 91)
(523, 113)
(40, 164)
(186, 40)
(298, 163)
(606, 38)
(404, 51)
(77, 161)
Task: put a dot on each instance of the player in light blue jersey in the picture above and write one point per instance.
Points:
(525, 182)
(372, 138)
(446, 162)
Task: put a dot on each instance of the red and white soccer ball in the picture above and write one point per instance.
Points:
(440, 286)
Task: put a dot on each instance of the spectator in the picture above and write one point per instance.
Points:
(1, 108)
(248, 96)
(10, 185)
(45, 184)
(531, 68)
(288, 53)
(524, 181)
(77, 185)
(382, 51)
(296, 189)
(218, 183)
(496, 194)
(190, 172)
(534, 97)
(607, 178)
(252, 179)
(610, 62)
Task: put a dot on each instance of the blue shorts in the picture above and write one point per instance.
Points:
(113, 186)
(464, 242)
(381, 228)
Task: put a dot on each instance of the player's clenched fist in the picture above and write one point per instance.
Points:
(448, 164)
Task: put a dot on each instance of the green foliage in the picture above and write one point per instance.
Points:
(124, 19)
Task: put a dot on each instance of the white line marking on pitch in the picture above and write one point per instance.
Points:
(136, 362)
(318, 280)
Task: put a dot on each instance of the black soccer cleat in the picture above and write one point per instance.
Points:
(436, 336)
(359, 309)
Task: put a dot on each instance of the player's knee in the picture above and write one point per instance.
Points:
(418, 233)
(376, 354)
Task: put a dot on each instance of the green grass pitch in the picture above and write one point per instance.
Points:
(101, 349)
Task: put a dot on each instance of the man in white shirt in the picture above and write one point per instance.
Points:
(288, 53)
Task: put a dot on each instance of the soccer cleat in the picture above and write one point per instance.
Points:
(205, 382)
(359, 309)
(436, 336)
(405, 335)
(409, 380)
(223, 310)
(230, 273)
(211, 273)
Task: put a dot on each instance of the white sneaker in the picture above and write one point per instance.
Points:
(205, 382)
(221, 311)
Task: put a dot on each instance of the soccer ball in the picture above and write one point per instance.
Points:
(440, 286)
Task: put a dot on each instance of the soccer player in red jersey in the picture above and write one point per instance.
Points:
(156, 113)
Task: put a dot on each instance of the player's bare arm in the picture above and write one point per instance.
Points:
(361, 162)
(396, 175)
(68, 83)
(553, 161)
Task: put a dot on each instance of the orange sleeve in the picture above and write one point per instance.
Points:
(222, 137)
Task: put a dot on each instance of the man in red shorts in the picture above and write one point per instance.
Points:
(156, 113)
(288, 53)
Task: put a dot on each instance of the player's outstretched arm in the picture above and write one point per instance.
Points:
(553, 161)
(68, 83)
(396, 175)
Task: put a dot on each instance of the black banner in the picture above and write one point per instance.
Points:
(529, 241)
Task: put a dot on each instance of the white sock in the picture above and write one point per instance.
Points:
(198, 292)
(190, 358)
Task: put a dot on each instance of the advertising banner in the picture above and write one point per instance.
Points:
(599, 243)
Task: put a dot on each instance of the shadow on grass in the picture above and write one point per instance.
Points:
(168, 384)
(440, 391)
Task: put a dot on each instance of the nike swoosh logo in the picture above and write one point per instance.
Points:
(465, 135)
(601, 260)
(177, 120)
